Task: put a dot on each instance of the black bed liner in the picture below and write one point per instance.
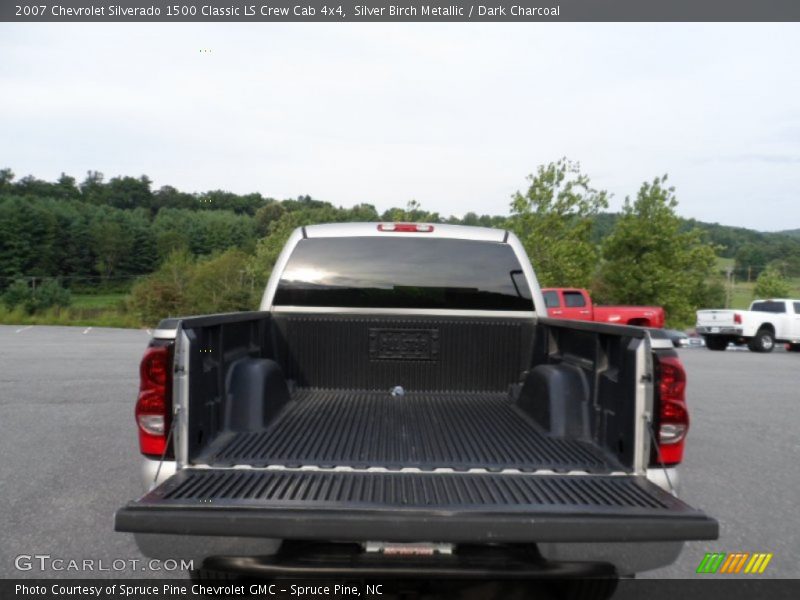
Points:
(445, 507)
(361, 429)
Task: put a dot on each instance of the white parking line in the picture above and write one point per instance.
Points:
(23, 329)
(149, 332)
(87, 330)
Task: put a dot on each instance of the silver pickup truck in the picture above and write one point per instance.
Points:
(401, 405)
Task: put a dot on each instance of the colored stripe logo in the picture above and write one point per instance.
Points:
(734, 563)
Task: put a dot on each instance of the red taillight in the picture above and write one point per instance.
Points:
(154, 404)
(737, 318)
(405, 227)
(673, 416)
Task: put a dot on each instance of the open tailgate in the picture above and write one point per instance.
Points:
(418, 506)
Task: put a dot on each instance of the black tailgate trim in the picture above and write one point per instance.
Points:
(445, 507)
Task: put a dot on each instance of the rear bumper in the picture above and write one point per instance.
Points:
(337, 560)
(626, 558)
(719, 330)
(257, 557)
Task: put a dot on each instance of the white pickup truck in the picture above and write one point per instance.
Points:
(767, 322)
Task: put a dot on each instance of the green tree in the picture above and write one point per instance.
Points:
(361, 213)
(6, 177)
(221, 200)
(16, 294)
(35, 298)
(771, 284)
(750, 260)
(649, 259)
(412, 213)
(30, 186)
(205, 231)
(129, 192)
(267, 215)
(305, 203)
(553, 219)
(221, 284)
(111, 243)
(50, 293)
(184, 285)
(144, 255)
(66, 188)
(165, 292)
(169, 197)
(93, 189)
(28, 234)
(169, 241)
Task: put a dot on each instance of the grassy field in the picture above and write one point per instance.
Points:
(743, 291)
(98, 301)
(70, 316)
(97, 310)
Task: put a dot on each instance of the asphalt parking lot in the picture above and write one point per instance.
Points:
(70, 456)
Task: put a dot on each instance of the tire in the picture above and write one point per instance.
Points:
(764, 341)
(585, 589)
(716, 343)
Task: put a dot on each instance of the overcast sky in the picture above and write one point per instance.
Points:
(454, 116)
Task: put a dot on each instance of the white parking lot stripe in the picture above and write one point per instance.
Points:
(87, 330)
(23, 329)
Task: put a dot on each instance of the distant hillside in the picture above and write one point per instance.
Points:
(729, 237)
(751, 250)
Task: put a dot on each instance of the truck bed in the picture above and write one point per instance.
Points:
(364, 429)
(509, 431)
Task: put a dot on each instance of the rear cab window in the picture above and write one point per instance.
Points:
(574, 300)
(770, 306)
(551, 299)
(404, 273)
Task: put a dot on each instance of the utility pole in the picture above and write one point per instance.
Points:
(729, 287)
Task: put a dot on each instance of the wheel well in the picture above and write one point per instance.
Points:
(639, 322)
(768, 326)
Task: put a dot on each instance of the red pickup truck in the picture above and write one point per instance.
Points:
(575, 303)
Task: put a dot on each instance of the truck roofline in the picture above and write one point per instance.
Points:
(438, 312)
(440, 231)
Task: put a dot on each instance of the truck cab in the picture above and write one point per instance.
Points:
(566, 303)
